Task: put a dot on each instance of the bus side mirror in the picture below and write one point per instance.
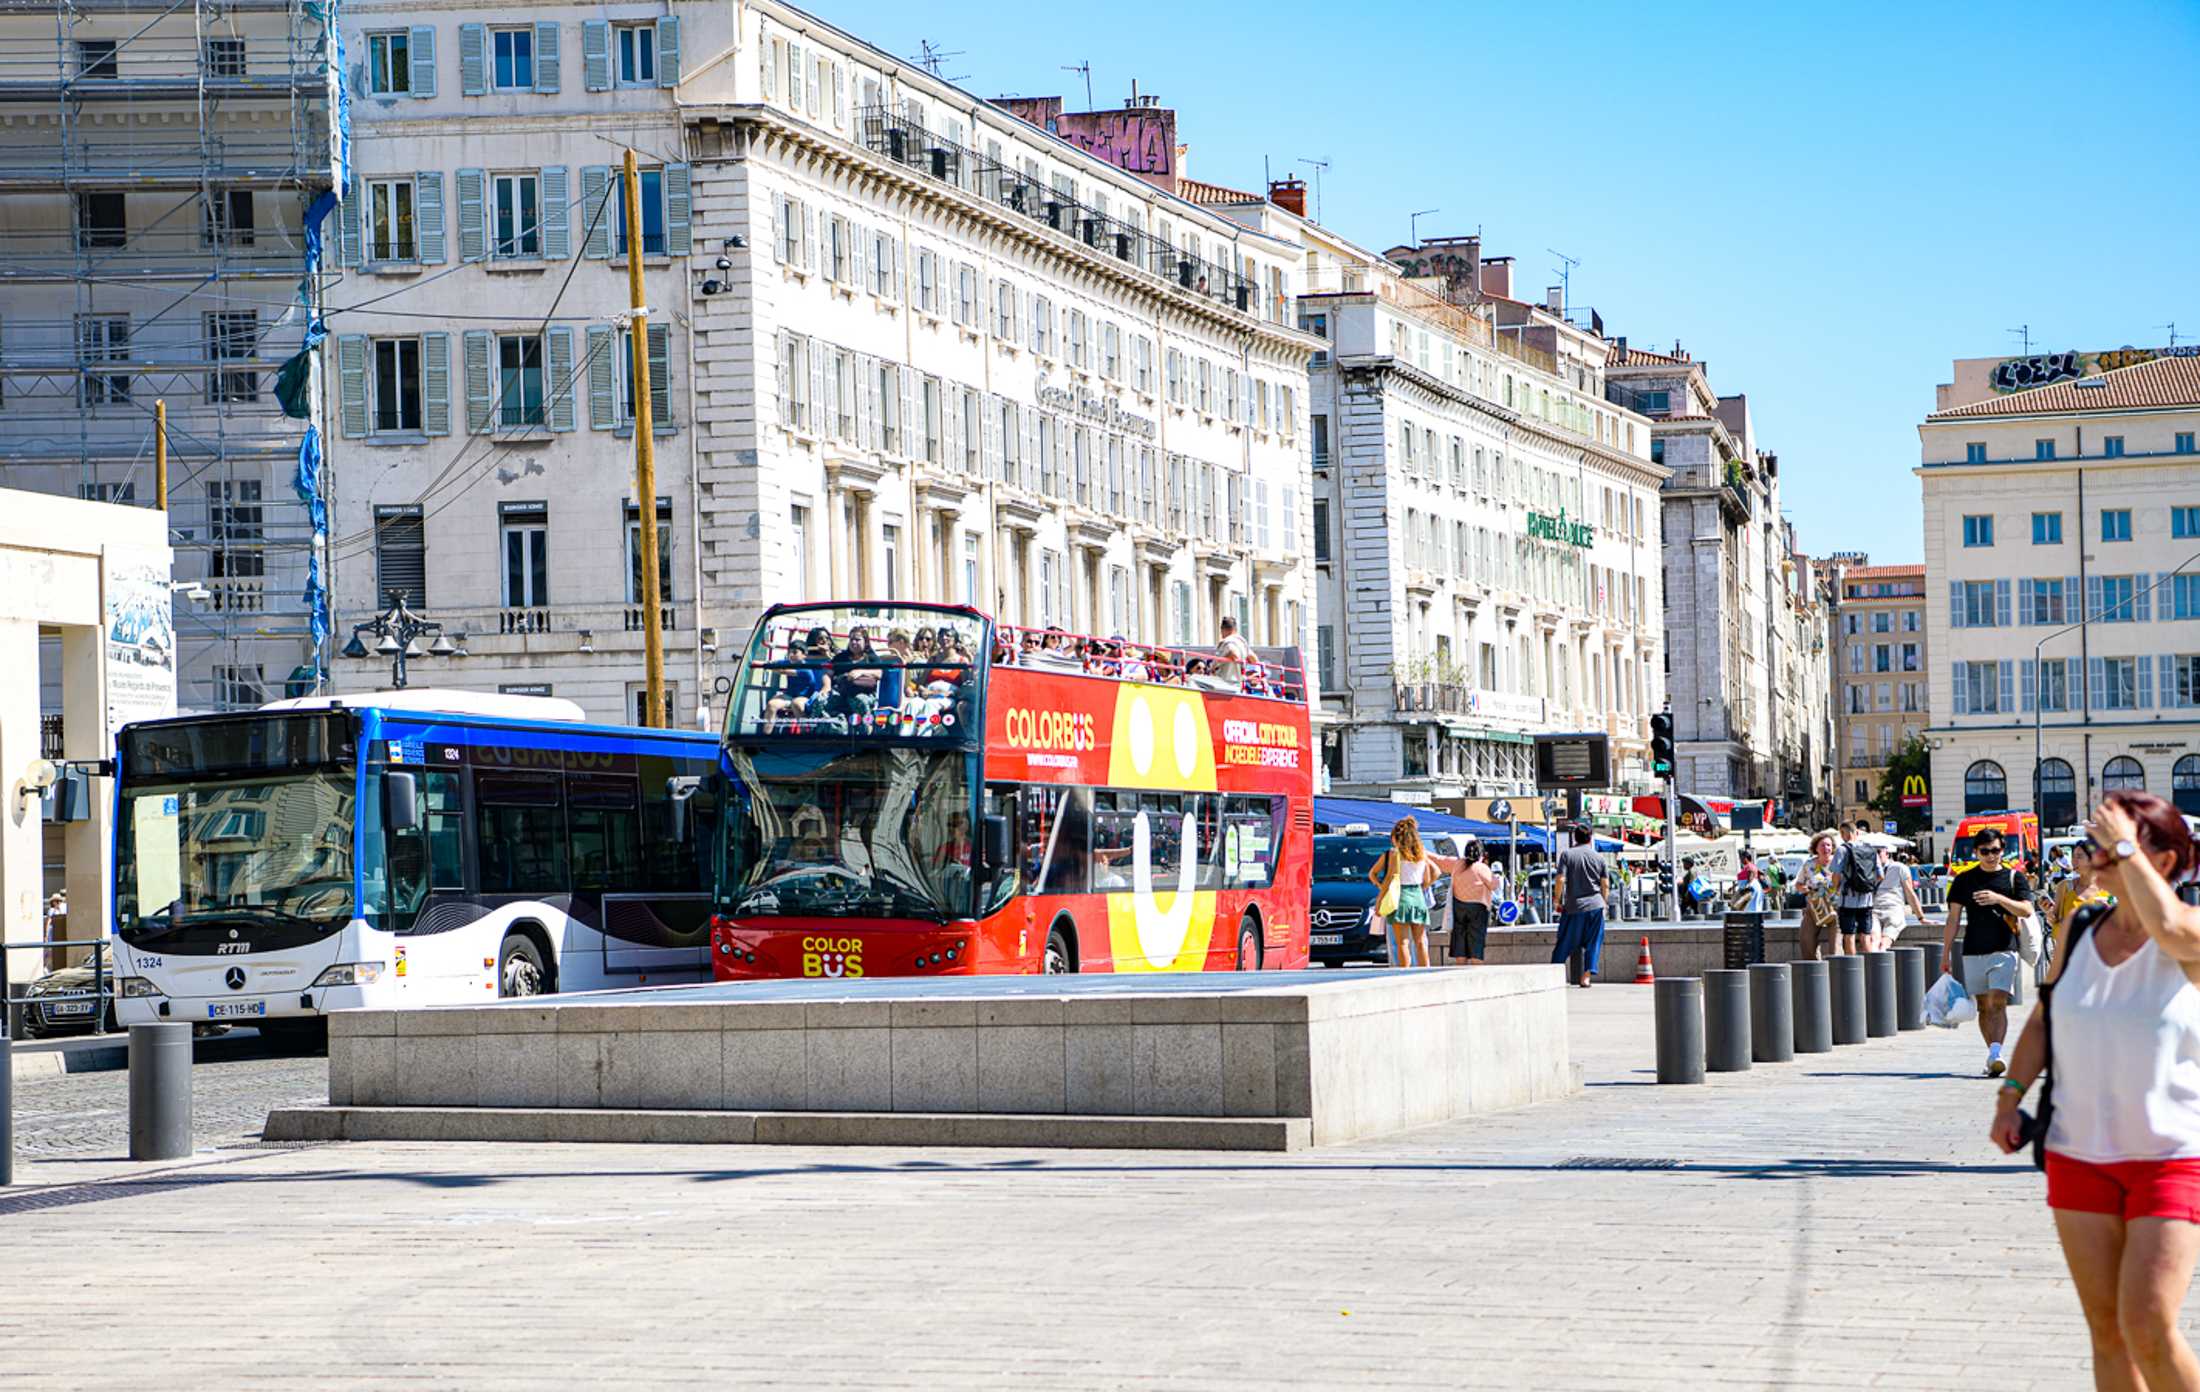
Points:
(679, 790)
(400, 801)
(1000, 847)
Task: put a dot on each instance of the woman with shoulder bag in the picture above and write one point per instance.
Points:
(1414, 869)
(2117, 1035)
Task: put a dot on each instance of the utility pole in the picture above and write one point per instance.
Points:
(160, 454)
(645, 462)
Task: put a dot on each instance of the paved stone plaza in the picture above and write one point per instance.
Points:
(1833, 1223)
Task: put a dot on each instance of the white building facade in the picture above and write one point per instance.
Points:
(1485, 528)
(2062, 533)
(903, 345)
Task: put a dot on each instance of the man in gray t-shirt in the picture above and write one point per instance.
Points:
(1857, 868)
(1583, 880)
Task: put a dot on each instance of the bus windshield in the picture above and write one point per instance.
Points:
(880, 670)
(197, 860)
(880, 832)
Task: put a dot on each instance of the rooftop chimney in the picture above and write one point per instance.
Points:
(1497, 276)
(1554, 298)
(1288, 194)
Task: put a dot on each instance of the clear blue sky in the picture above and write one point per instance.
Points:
(1827, 205)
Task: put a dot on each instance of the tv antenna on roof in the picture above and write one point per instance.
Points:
(1566, 266)
(932, 58)
(2172, 327)
(1084, 67)
(2024, 336)
(1318, 165)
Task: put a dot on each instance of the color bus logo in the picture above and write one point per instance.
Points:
(834, 957)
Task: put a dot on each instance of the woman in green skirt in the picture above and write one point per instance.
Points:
(1415, 868)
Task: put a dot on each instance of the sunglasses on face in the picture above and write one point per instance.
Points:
(1987, 851)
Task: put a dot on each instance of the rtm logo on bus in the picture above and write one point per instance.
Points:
(832, 957)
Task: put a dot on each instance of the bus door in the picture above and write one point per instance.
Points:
(430, 874)
(639, 863)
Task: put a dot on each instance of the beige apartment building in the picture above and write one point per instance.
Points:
(1882, 683)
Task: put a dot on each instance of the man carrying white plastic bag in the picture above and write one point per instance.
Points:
(1948, 1005)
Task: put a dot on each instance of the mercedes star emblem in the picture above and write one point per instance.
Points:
(235, 977)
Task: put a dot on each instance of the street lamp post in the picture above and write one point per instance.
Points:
(397, 634)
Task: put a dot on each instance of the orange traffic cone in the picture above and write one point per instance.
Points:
(1644, 976)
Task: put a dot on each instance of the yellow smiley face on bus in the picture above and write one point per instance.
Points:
(1162, 743)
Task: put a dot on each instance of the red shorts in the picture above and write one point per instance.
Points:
(2127, 1188)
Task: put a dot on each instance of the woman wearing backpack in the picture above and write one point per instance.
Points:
(2117, 1032)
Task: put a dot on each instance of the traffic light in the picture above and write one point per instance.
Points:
(1661, 743)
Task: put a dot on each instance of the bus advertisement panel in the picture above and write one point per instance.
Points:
(913, 791)
(326, 853)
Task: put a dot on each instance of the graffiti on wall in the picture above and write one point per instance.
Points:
(2045, 369)
(1137, 142)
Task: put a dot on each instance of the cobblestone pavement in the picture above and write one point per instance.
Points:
(1834, 1223)
(234, 1084)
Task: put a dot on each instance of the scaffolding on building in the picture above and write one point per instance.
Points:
(156, 179)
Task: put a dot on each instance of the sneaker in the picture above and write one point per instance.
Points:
(1995, 1068)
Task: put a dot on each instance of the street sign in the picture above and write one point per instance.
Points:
(1747, 816)
(1501, 811)
(1914, 793)
(1564, 762)
(1888, 827)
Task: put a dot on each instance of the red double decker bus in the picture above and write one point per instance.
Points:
(912, 789)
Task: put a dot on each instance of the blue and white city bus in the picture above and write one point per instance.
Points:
(404, 848)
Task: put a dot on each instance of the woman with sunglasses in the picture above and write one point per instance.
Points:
(2122, 1008)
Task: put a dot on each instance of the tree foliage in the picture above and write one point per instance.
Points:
(1912, 760)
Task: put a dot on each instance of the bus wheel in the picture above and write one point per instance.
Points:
(1248, 944)
(519, 967)
(1058, 960)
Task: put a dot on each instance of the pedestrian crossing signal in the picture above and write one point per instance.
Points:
(1661, 744)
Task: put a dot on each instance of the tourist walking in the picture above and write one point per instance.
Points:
(1582, 881)
(1414, 867)
(2118, 1033)
(1894, 903)
(1986, 902)
(1473, 889)
(1857, 869)
(1818, 934)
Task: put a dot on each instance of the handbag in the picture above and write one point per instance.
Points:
(2033, 1126)
(1387, 904)
(2028, 937)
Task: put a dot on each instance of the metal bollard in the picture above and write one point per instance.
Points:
(1845, 975)
(1933, 964)
(1771, 1013)
(1879, 1002)
(160, 1091)
(1678, 1001)
(7, 1100)
(1726, 1020)
(1909, 988)
(1813, 1007)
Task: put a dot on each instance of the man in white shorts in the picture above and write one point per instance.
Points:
(1986, 902)
(1893, 904)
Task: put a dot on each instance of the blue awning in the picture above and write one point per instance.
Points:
(1333, 813)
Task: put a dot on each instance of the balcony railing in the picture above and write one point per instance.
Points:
(903, 141)
(49, 736)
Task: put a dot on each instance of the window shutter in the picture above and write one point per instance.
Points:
(480, 396)
(668, 51)
(1955, 604)
(473, 241)
(423, 60)
(867, 417)
(2169, 682)
(660, 376)
(428, 205)
(779, 377)
(912, 423)
(779, 230)
(2144, 598)
(859, 253)
(435, 383)
(2008, 682)
(401, 555)
(2093, 600)
(2097, 679)
(2145, 670)
(546, 57)
(1029, 455)
(558, 370)
(557, 234)
(596, 55)
(596, 209)
(2001, 603)
(822, 406)
(1959, 689)
(809, 237)
(677, 202)
(351, 371)
(990, 450)
(473, 65)
(603, 346)
(2031, 683)
(351, 244)
(2025, 607)
(2073, 599)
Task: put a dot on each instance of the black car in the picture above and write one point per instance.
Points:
(1341, 926)
(62, 1001)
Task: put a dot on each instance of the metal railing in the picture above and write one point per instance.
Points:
(96, 1003)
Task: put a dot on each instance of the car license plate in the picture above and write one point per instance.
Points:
(1328, 939)
(70, 1008)
(235, 1010)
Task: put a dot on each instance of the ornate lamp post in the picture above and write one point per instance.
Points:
(397, 635)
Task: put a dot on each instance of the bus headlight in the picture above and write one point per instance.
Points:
(136, 987)
(349, 974)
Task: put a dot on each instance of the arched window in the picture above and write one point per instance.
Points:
(1985, 788)
(2184, 785)
(2059, 792)
(2123, 775)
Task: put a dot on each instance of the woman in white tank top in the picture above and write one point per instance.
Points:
(2123, 1146)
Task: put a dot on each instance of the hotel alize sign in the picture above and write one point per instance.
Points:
(1544, 527)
